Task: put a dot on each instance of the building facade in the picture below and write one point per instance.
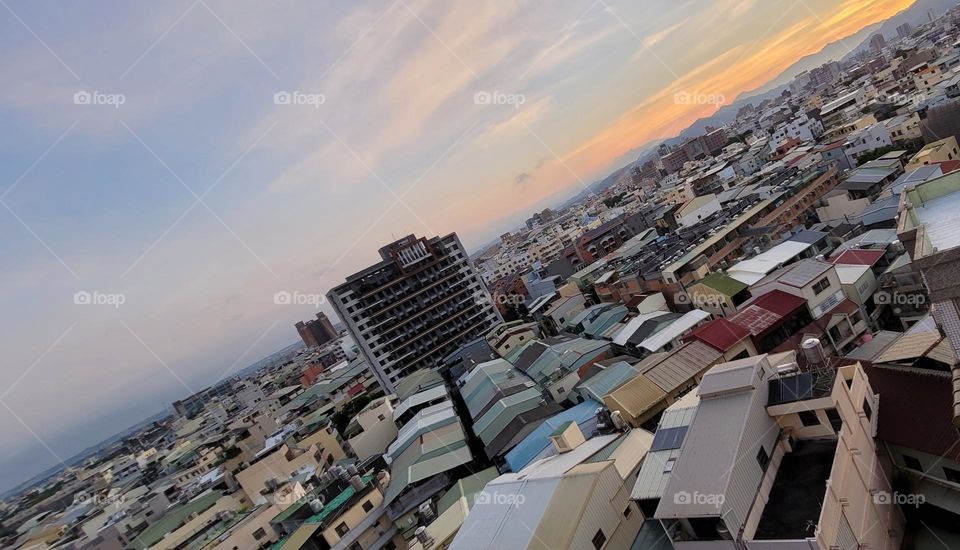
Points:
(416, 306)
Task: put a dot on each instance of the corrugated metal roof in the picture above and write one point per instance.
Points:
(909, 346)
(635, 397)
(674, 330)
(632, 326)
(607, 380)
(682, 366)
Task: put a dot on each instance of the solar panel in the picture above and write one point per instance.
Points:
(668, 438)
(791, 388)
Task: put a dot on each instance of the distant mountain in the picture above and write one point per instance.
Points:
(841, 50)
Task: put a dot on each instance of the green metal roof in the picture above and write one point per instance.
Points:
(723, 283)
(172, 520)
(561, 428)
(336, 503)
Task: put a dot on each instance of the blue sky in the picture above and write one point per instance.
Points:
(198, 197)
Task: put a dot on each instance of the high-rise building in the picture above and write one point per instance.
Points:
(420, 303)
(316, 332)
(904, 30)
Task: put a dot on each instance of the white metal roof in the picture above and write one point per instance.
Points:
(752, 270)
(420, 398)
(621, 338)
(674, 329)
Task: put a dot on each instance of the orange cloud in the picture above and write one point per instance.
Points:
(729, 74)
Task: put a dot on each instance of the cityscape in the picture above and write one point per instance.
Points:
(421, 275)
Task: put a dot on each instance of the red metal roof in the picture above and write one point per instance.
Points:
(857, 256)
(767, 311)
(780, 302)
(948, 166)
(719, 334)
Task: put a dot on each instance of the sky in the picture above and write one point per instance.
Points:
(166, 168)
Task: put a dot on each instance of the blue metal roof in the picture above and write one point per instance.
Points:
(533, 446)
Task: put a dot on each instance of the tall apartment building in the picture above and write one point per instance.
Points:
(316, 332)
(416, 306)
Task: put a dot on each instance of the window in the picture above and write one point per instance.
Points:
(259, 534)
(342, 529)
(381, 418)
(668, 465)
(809, 418)
(821, 285)
(867, 410)
(912, 463)
(763, 459)
(951, 474)
(367, 506)
(599, 539)
(627, 512)
(835, 421)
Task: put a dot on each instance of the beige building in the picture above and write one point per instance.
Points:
(938, 151)
(372, 430)
(779, 459)
(577, 498)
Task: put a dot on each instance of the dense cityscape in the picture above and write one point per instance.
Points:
(748, 339)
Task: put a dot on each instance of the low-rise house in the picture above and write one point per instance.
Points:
(372, 430)
(578, 498)
(939, 151)
(718, 293)
(663, 378)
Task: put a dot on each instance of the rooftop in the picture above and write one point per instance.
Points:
(796, 498)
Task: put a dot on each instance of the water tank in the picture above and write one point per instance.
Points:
(426, 512)
(352, 470)
(316, 505)
(813, 352)
(357, 483)
(423, 537)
